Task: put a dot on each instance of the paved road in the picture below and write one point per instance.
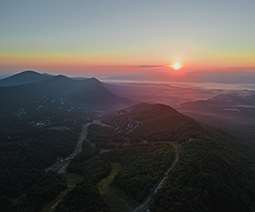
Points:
(145, 205)
(62, 170)
(77, 150)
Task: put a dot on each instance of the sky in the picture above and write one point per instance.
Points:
(115, 37)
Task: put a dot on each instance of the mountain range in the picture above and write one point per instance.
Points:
(33, 91)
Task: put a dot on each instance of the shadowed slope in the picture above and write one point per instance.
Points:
(25, 77)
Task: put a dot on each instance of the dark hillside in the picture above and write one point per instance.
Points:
(25, 77)
(59, 93)
(209, 176)
(153, 123)
(215, 170)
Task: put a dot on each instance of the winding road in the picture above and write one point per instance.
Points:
(145, 205)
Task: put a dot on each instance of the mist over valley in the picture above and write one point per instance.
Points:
(79, 138)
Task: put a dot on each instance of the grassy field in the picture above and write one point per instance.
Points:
(175, 144)
(72, 180)
(104, 184)
(99, 123)
(118, 200)
(115, 199)
(105, 150)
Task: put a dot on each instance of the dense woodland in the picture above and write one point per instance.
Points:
(105, 137)
(80, 161)
(24, 155)
(32, 142)
(142, 167)
(45, 190)
(209, 176)
(215, 171)
(85, 196)
(87, 162)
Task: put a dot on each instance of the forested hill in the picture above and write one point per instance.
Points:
(210, 175)
(153, 123)
(60, 93)
(215, 170)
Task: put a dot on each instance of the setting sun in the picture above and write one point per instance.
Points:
(176, 66)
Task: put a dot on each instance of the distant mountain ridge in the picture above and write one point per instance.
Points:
(25, 77)
(59, 93)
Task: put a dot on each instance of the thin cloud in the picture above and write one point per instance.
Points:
(152, 66)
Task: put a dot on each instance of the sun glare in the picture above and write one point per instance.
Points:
(176, 65)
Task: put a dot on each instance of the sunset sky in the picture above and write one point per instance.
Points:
(104, 38)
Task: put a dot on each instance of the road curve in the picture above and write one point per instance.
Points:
(145, 205)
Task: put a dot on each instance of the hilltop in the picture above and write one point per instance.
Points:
(25, 77)
(153, 122)
(215, 170)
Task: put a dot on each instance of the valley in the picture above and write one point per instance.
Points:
(228, 106)
(120, 154)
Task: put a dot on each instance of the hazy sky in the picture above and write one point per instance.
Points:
(114, 37)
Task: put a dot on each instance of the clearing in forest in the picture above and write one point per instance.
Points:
(71, 180)
(115, 199)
